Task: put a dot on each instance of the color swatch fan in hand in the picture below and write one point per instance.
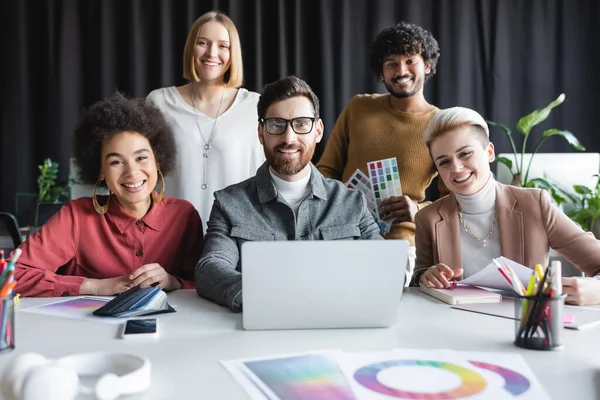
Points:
(385, 183)
(360, 181)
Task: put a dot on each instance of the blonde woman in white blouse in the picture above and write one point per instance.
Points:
(213, 118)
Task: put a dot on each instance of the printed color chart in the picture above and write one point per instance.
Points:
(360, 181)
(385, 179)
(385, 183)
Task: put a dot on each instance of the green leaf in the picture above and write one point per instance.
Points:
(529, 121)
(568, 136)
(504, 128)
(584, 190)
(506, 161)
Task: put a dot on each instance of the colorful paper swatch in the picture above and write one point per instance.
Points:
(360, 181)
(384, 179)
(294, 377)
(75, 307)
(400, 374)
(471, 382)
(439, 374)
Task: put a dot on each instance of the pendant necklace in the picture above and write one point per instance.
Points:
(206, 144)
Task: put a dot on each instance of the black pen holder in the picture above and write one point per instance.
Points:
(539, 322)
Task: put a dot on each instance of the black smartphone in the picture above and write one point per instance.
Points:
(140, 328)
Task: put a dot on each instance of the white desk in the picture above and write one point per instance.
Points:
(185, 359)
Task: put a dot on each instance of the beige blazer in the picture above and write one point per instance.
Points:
(529, 224)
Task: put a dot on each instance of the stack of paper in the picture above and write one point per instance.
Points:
(398, 374)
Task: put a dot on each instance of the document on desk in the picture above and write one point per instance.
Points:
(400, 373)
(291, 376)
(74, 307)
(490, 277)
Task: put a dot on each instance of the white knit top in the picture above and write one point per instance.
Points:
(478, 212)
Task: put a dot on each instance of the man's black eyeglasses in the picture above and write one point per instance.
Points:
(277, 126)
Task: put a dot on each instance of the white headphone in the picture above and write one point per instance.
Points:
(31, 376)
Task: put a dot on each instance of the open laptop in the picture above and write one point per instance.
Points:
(322, 284)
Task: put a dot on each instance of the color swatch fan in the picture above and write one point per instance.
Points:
(136, 302)
(359, 181)
(385, 183)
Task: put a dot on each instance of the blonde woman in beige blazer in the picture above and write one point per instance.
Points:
(481, 218)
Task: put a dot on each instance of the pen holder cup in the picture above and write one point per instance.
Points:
(539, 322)
(7, 324)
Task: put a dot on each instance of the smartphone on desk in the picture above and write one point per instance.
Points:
(140, 328)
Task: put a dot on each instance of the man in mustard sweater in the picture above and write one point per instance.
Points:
(375, 126)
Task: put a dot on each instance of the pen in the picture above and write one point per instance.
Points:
(556, 277)
(506, 277)
(10, 267)
(13, 259)
(519, 288)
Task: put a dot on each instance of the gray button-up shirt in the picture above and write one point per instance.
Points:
(253, 210)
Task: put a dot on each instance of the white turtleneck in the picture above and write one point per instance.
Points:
(292, 192)
(478, 212)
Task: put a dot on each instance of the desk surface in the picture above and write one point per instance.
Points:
(185, 359)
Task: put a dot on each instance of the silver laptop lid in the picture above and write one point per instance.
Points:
(322, 284)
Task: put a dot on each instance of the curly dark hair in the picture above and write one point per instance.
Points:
(404, 39)
(286, 88)
(112, 116)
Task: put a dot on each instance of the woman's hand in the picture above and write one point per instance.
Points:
(105, 287)
(151, 274)
(439, 275)
(581, 291)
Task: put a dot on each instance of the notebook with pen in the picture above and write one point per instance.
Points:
(136, 302)
(462, 295)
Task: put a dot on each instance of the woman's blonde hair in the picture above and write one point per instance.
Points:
(234, 76)
(452, 118)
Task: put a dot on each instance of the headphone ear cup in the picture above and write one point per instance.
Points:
(108, 387)
(14, 375)
(50, 382)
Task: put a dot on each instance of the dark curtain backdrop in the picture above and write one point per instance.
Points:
(503, 58)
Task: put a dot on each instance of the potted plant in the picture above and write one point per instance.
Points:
(524, 126)
(585, 207)
(50, 190)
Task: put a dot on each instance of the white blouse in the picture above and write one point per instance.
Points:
(478, 211)
(235, 152)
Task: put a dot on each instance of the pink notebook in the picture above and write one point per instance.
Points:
(463, 295)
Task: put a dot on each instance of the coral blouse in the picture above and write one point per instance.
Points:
(78, 243)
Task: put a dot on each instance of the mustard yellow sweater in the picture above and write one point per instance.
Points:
(369, 129)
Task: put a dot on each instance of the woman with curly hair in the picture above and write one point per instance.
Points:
(105, 245)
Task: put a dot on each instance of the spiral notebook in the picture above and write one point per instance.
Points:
(136, 302)
(462, 295)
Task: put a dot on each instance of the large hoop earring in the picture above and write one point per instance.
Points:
(99, 209)
(157, 197)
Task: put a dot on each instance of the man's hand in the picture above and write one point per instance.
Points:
(151, 274)
(581, 291)
(400, 207)
(439, 275)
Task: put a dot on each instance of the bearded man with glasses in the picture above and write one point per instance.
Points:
(288, 199)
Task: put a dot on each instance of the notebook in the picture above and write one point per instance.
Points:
(462, 295)
(322, 284)
(136, 302)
